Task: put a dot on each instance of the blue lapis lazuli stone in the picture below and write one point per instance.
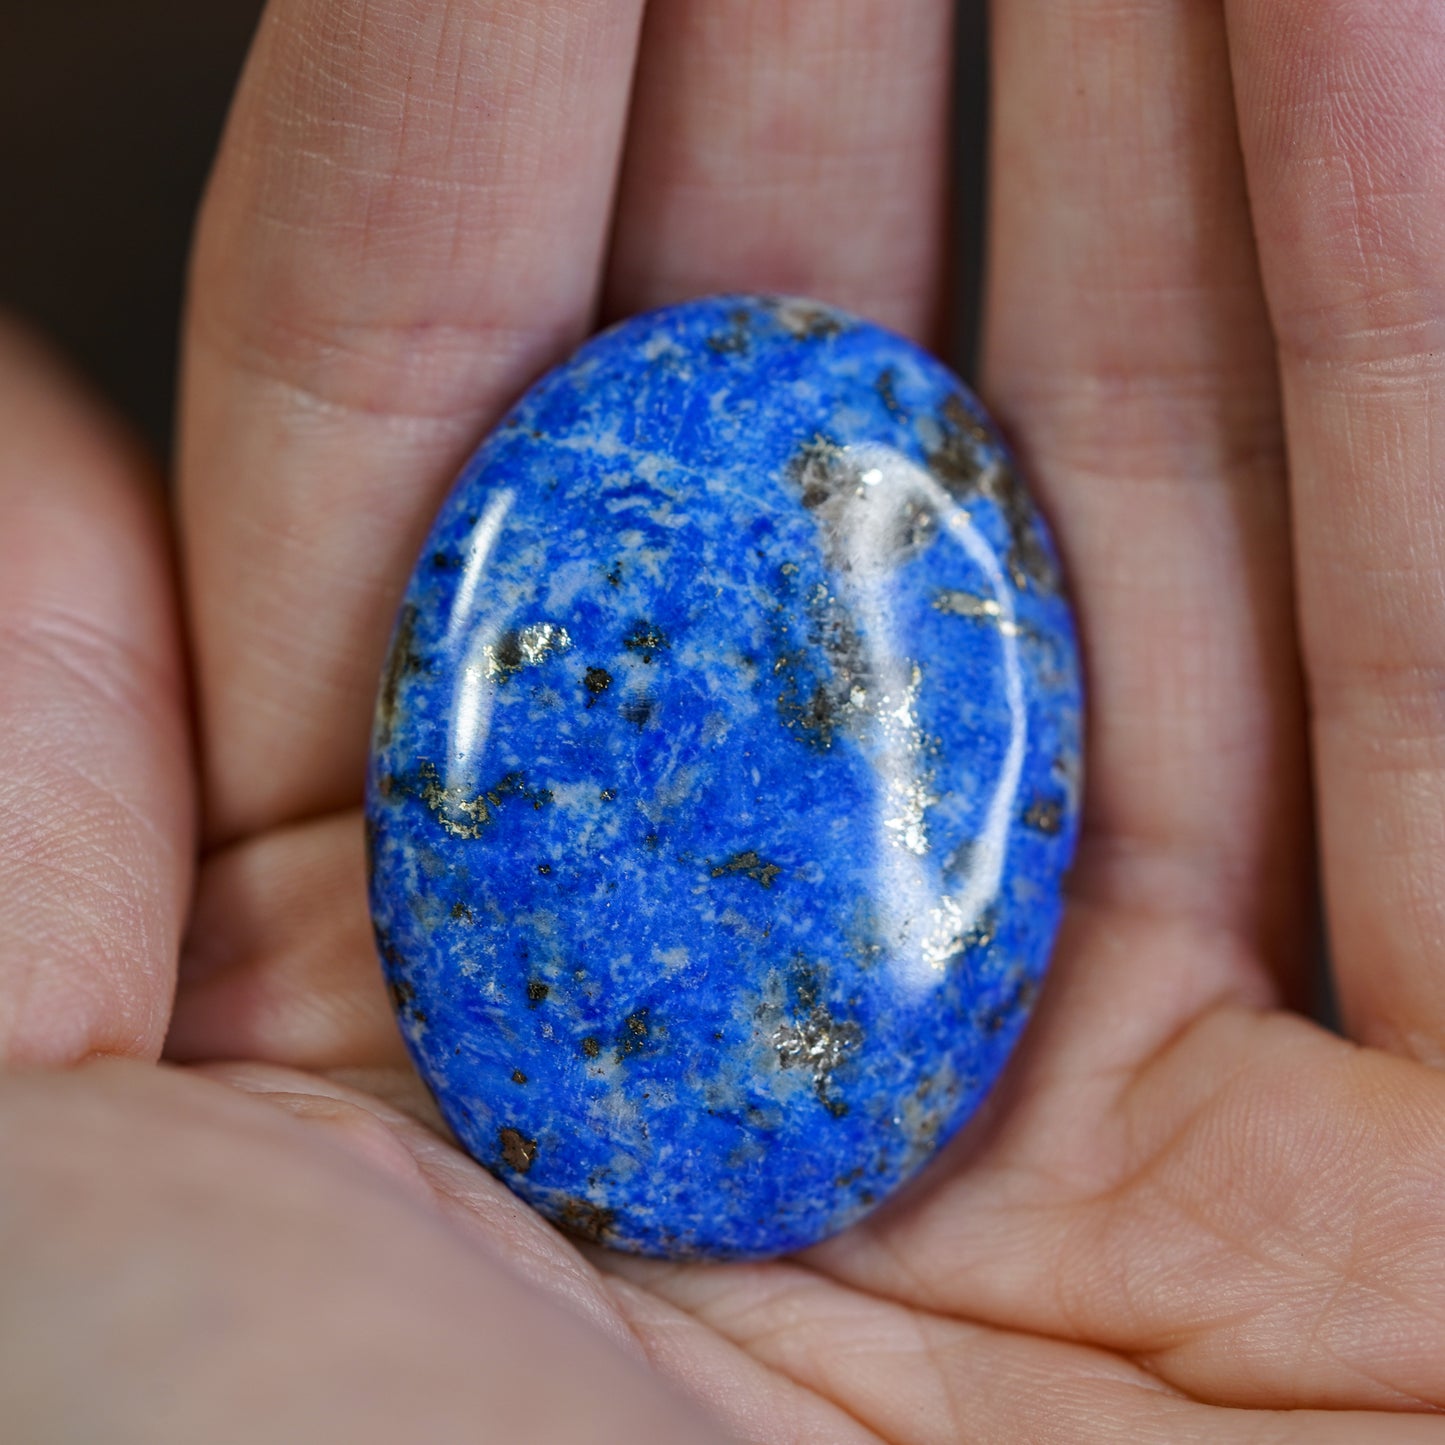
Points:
(725, 774)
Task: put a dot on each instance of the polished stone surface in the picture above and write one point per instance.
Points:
(726, 768)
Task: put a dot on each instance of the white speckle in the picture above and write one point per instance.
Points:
(672, 960)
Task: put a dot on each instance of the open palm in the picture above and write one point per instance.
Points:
(1187, 1214)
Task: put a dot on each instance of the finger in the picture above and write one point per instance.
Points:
(1128, 352)
(95, 778)
(404, 226)
(1342, 111)
(795, 148)
(279, 962)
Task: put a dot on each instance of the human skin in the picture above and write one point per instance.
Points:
(1216, 318)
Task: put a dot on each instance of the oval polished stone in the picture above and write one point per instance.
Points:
(725, 771)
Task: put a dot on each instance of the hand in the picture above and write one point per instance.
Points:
(1187, 1208)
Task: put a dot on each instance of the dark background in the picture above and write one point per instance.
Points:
(109, 114)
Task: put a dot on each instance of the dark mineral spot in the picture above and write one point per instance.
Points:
(735, 339)
(460, 815)
(390, 953)
(403, 1001)
(750, 865)
(461, 912)
(518, 1150)
(983, 932)
(817, 469)
(1019, 1000)
(596, 680)
(465, 816)
(992, 1020)
(514, 785)
(1045, 815)
(959, 458)
(805, 320)
(818, 1044)
(821, 695)
(607, 795)
(507, 656)
(886, 386)
(518, 1077)
(614, 577)
(638, 712)
(544, 869)
(812, 718)
(591, 1047)
(634, 1032)
(803, 978)
(646, 639)
(401, 661)
(960, 463)
(584, 1220)
(537, 992)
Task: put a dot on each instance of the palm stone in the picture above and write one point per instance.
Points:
(725, 772)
